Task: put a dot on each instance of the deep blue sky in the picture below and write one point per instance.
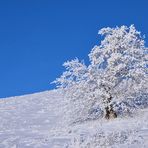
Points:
(37, 36)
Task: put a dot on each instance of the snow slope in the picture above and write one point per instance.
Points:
(39, 121)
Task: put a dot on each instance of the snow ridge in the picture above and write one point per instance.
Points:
(39, 121)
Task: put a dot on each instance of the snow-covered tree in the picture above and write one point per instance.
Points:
(117, 71)
(75, 73)
(121, 60)
(76, 89)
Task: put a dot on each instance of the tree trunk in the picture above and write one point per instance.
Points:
(110, 113)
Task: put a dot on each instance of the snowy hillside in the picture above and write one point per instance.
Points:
(39, 121)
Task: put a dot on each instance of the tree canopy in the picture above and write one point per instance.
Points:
(117, 72)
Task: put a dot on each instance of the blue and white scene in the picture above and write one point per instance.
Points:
(73, 74)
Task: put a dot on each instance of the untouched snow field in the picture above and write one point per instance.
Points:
(39, 121)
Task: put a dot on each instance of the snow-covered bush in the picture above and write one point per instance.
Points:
(117, 71)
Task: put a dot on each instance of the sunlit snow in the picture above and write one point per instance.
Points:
(39, 121)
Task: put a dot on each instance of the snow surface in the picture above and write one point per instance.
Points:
(39, 121)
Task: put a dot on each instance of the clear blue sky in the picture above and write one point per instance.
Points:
(37, 36)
